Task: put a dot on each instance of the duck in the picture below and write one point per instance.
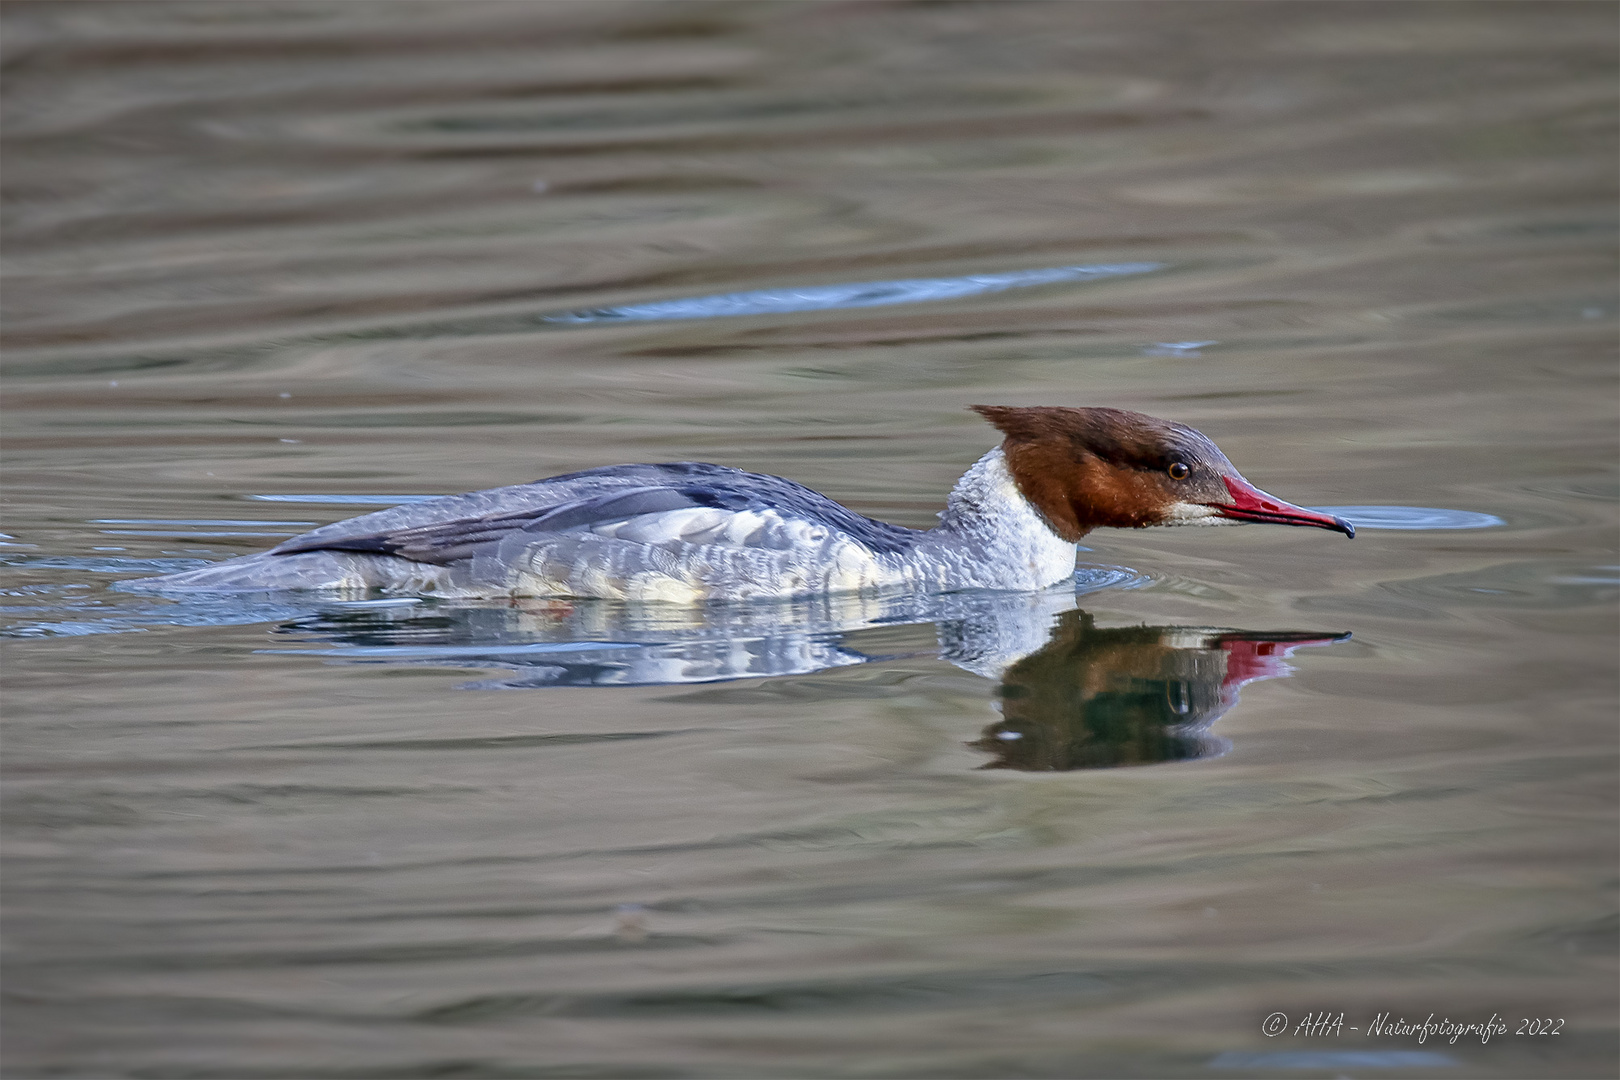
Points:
(691, 532)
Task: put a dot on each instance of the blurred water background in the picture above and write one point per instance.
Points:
(271, 264)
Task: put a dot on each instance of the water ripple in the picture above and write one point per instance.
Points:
(219, 522)
(854, 294)
(1411, 517)
(348, 500)
(1092, 577)
(109, 564)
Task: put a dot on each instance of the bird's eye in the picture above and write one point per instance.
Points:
(1177, 471)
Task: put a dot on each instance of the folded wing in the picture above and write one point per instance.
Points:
(441, 543)
(689, 502)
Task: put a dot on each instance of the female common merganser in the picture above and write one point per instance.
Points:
(688, 532)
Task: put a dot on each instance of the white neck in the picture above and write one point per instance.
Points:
(997, 538)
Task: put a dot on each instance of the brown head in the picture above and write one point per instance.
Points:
(1089, 468)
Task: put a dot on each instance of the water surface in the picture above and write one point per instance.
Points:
(272, 264)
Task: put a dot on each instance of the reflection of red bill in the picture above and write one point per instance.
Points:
(1249, 658)
(1249, 503)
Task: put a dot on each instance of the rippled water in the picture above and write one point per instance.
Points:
(857, 294)
(275, 264)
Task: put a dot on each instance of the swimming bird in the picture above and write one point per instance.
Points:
(688, 532)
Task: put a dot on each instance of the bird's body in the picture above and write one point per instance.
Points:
(689, 532)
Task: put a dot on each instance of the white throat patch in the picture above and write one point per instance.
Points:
(1186, 513)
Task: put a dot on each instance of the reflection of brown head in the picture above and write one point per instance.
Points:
(1088, 468)
(1096, 698)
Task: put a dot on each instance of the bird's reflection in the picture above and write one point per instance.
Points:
(1072, 695)
(607, 643)
(1094, 698)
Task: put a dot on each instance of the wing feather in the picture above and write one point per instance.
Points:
(504, 521)
(445, 542)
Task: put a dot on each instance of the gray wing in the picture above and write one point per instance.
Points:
(443, 542)
(488, 504)
(678, 520)
(500, 520)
